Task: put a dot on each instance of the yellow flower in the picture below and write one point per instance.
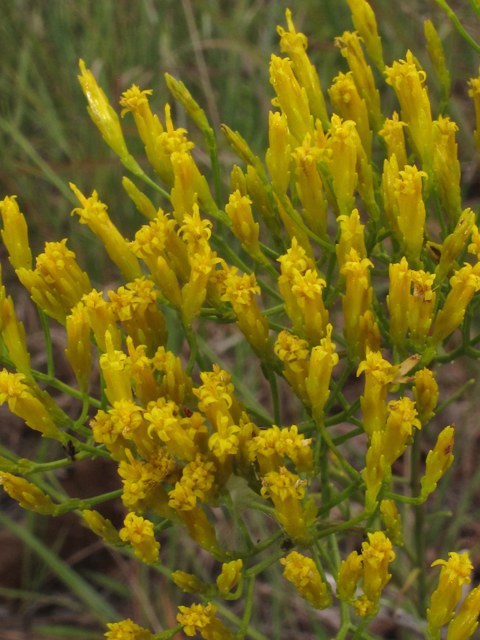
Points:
(438, 461)
(94, 214)
(374, 472)
(465, 622)
(78, 350)
(27, 494)
(464, 284)
(295, 45)
(351, 237)
(454, 574)
(357, 299)
(347, 101)
(474, 92)
(411, 210)
(399, 428)
(348, 576)
(291, 97)
(421, 306)
(377, 553)
(379, 375)
(101, 112)
(322, 360)
(127, 630)
(139, 533)
(286, 490)
(279, 151)
(15, 234)
(164, 421)
(366, 25)
(202, 619)
(243, 225)
(426, 394)
(351, 49)
(447, 167)
(454, 244)
(102, 319)
(303, 573)
(13, 335)
(340, 156)
(398, 300)
(101, 526)
(407, 81)
(230, 577)
(392, 521)
(392, 133)
(113, 364)
(307, 289)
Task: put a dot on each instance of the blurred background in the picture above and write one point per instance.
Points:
(221, 51)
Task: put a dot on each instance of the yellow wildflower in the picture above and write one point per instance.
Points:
(139, 533)
(304, 574)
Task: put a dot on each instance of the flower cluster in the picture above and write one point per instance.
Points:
(294, 258)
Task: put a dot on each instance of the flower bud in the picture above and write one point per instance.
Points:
(28, 495)
(438, 461)
(230, 576)
(15, 234)
(303, 573)
(102, 527)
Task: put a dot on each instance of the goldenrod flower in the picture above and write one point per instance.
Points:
(307, 289)
(392, 521)
(322, 360)
(474, 92)
(309, 186)
(149, 128)
(351, 49)
(240, 291)
(101, 526)
(399, 428)
(200, 529)
(357, 299)
(392, 133)
(22, 403)
(127, 630)
(164, 421)
(176, 385)
(13, 335)
(189, 583)
(426, 394)
(215, 395)
(15, 234)
(349, 574)
(364, 606)
(398, 300)
(421, 305)
(340, 156)
(295, 45)
(303, 573)
(377, 553)
(291, 97)
(437, 56)
(102, 319)
(366, 24)
(347, 101)
(390, 176)
(378, 376)
(293, 352)
(139, 532)
(294, 261)
(374, 471)
(160, 239)
(230, 577)
(447, 167)
(278, 153)
(464, 283)
(286, 490)
(454, 574)
(465, 622)
(243, 225)
(142, 203)
(438, 461)
(78, 350)
(27, 494)
(351, 237)
(407, 81)
(454, 244)
(202, 619)
(113, 364)
(411, 211)
(94, 214)
(102, 113)
(141, 370)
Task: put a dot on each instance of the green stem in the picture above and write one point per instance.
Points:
(78, 504)
(248, 609)
(262, 545)
(86, 406)
(275, 399)
(168, 633)
(261, 566)
(192, 342)
(326, 436)
(217, 180)
(342, 527)
(404, 499)
(419, 526)
(26, 467)
(457, 24)
(338, 386)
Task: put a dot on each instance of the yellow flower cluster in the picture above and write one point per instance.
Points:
(318, 223)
